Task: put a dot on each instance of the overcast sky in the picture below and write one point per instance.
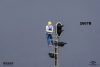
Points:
(23, 39)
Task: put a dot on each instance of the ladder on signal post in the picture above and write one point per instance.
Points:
(56, 49)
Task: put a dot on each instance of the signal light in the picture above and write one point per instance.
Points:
(59, 28)
(61, 44)
(51, 55)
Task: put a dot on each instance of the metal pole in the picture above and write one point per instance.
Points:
(56, 50)
(56, 56)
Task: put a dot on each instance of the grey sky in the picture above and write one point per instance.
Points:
(22, 32)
